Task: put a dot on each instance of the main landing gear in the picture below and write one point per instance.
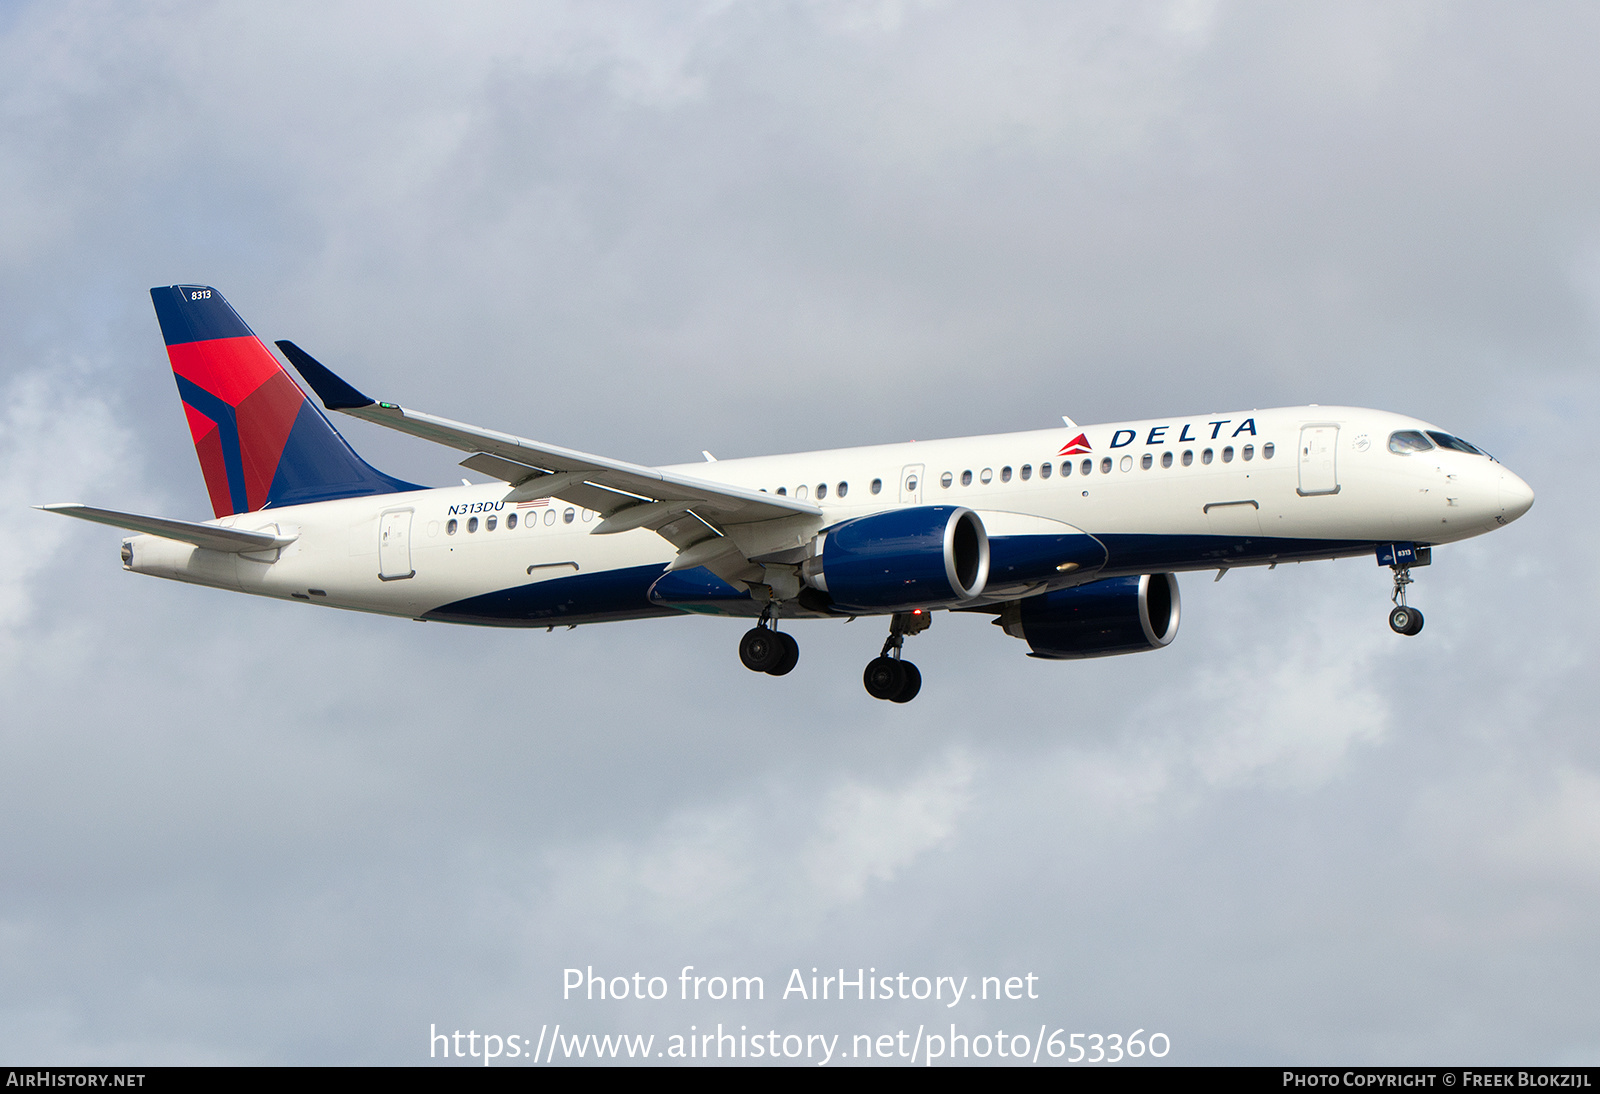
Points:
(1403, 619)
(766, 649)
(889, 677)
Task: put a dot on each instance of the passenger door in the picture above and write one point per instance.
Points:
(1318, 471)
(394, 546)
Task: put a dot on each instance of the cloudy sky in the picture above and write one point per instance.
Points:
(248, 832)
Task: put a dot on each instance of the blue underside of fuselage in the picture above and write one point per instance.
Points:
(625, 594)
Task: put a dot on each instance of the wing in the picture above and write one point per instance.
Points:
(694, 515)
(210, 536)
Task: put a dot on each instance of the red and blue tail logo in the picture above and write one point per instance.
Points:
(261, 442)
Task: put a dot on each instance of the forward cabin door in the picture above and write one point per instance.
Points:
(394, 546)
(911, 484)
(1318, 474)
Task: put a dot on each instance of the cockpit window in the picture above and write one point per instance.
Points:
(1444, 440)
(1407, 441)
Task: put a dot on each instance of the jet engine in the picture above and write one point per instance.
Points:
(1116, 615)
(922, 557)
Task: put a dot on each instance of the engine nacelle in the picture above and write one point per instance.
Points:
(905, 558)
(1117, 615)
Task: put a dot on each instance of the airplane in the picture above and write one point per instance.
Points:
(1070, 537)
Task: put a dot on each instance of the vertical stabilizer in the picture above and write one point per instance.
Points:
(261, 442)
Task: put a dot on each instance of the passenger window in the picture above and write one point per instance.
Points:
(1188, 456)
(1147, 461)
(1267, 450)
(1044, 470)
(911, 483)
(1166, 459)
(783, 491)
(450, 529)
(822, 490)
(1027, 472)
(1005, 474)
(1066, 468)
(966, 478)
(800, 493)
(877, 486)
(549, 516)
(1227, 454)
(1205, 457)
(1127, 463)
(1086, 466)
(488, 525)
(1105, 465)
(587, 515)
(946, 479)
(569, 516)
(986, 476)
(844, 488)
(1248, 452)
(472, 525)
(511, 521)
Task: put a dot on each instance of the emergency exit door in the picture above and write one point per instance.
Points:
(911, 484)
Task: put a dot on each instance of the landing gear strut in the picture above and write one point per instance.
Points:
(1403, 619)
(766, 649)
(888, 677)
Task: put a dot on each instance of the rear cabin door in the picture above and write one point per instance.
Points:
(394, 546)
(1318, 474)
(911, 484)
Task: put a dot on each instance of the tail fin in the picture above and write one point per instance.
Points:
(261, 442)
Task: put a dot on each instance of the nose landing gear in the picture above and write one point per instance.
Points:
(766, 649)
(1403, 619)
(888, 677)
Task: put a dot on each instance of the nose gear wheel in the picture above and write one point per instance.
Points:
(1404, 619)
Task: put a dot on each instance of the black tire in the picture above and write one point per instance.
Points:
(884, 677)
(1406, 621)
(790, 658)
(760, 649)
(913, 684)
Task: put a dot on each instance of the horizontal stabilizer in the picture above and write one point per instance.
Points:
(209, 536)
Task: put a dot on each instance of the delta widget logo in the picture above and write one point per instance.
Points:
(1075, 447)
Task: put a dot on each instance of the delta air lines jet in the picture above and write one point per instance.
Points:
(1069, 537)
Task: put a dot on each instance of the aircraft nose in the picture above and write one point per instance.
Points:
(1516, 496)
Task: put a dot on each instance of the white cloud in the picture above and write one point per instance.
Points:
(870, 833)
(58, 442)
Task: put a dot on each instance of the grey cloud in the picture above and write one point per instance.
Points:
(242, 832)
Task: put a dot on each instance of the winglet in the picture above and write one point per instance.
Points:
(334, 392)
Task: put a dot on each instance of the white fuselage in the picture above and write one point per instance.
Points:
(1239, 488)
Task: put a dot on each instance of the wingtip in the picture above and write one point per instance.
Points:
(334, 392)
